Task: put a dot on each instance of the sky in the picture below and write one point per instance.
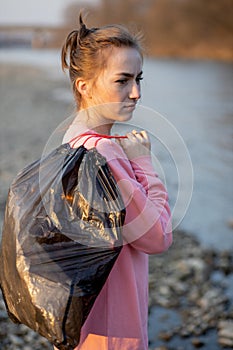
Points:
(31, 12)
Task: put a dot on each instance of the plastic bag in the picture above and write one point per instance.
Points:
(61, 237)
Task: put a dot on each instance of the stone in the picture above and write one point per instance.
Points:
(225, 332)
(226, 324)
(183, 270)
(225, 342)
(230, 223)
(212, 298)
(197, 342)
(166, 336)
(164, 290)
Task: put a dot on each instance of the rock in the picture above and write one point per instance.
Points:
(163, 301)
(194, 294)
(230, 223)
(197, 342)
(225, 333)
(183, 270)
(184, 333)
(226, 324)
(190, 267)
(166, 336)
(225, 342)
(212, 298)
(164, 290)
(176, 285)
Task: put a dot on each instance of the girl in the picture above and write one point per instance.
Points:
(105, 68)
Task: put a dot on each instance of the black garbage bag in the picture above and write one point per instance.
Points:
(61, 237)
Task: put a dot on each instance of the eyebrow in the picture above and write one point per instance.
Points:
(129, 75)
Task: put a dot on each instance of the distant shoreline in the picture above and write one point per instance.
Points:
(158, 46)
(223, 56)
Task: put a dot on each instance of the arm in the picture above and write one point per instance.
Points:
(153, 211)
(148, 221)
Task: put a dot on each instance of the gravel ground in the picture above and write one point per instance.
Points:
(196, 285)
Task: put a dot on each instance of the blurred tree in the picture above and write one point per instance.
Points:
(187, 28)
(195, 28)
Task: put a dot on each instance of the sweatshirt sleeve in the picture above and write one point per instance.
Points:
(147, 224)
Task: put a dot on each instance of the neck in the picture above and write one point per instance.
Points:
(94, 122)
(102, 129)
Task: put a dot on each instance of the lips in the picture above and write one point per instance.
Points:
(130, 106)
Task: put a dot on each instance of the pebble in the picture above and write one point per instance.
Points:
(230, 223)
(198, 343)
(165, 335)
(225, 333)
(225, 342)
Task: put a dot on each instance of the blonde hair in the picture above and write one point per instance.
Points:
(83, 51)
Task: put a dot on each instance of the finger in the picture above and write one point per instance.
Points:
(130, 135)
(135, 137)
(135, 133)
(144, 134)
(146, 139)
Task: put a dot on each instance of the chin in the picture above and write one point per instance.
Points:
(123, 117)
(128, 117)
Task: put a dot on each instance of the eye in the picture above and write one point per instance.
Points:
(138, 79)
(122, 81)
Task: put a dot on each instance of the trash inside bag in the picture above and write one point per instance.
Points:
(61, 237)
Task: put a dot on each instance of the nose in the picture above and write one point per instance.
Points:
(135, 92)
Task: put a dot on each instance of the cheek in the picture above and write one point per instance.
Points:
(104, 94)
(109, 92)
(112, 96)
(119, 94)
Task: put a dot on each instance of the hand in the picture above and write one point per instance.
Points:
(136, 144)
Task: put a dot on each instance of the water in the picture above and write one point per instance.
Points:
(196, 98)
(162, 320)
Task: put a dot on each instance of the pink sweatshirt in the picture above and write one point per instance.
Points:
(118, 319)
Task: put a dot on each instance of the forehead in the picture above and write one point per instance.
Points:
(123, 59)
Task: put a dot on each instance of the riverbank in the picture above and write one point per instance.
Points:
(191, 297)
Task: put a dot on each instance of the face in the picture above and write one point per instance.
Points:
(116, 90)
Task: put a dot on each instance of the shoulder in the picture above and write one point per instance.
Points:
(110, 149)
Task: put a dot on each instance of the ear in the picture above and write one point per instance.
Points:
(83, 87)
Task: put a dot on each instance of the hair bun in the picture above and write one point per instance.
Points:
(83, 31)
